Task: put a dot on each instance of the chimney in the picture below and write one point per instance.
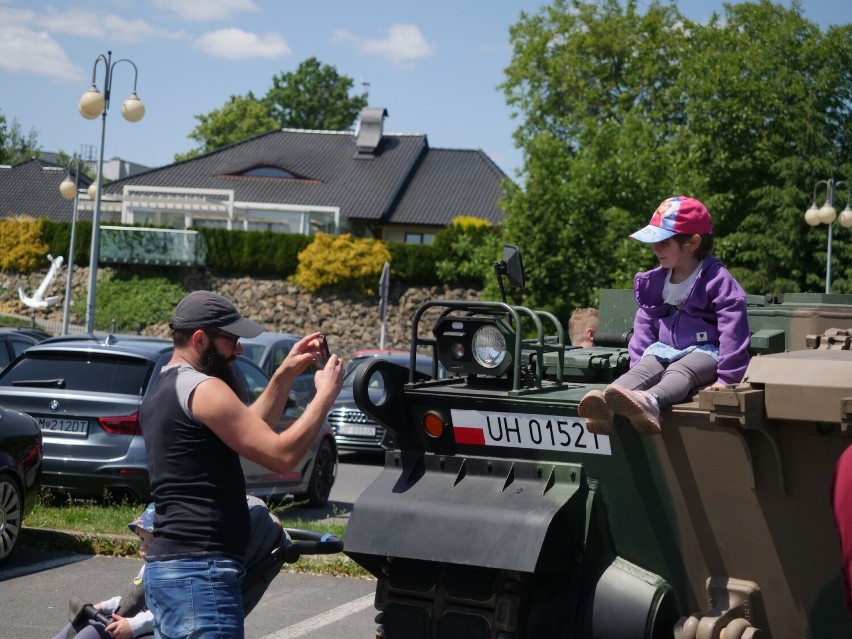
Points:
(369, 134)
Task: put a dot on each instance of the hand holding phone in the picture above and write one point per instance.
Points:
(325, 354)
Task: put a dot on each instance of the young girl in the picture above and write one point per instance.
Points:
(690, 330)
(138, 622)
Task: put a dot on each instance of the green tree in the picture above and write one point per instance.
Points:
(241, 117)
(314, 96)
(15, 145)
(468, 249)
(621, 109)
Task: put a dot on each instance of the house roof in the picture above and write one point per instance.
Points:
(402, 182)
(449, 183)
(32, 188)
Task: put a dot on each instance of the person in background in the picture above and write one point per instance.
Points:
(132, 623)
(582, 325)
(196, 427)
(841, 505)
(690, 330)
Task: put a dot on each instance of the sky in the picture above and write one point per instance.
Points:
(435, 66)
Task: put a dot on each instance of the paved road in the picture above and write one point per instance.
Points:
(35, 585)
(355, 472)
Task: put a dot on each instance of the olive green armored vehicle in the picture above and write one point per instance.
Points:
(498, 516)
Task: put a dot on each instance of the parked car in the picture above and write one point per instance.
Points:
(268, 350)
(14, 341)
(20, 473)
(359, 356)
(84, 391)
(352, 428)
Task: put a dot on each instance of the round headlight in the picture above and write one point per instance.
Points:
(489, 347)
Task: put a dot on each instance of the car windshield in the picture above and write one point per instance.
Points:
(80, 372)
(253, 351)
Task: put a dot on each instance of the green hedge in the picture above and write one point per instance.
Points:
(256, 253)
(57, 235)
(414, 264)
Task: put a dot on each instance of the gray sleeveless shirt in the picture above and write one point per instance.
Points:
(197, 483)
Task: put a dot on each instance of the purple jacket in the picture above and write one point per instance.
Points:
(714, 313)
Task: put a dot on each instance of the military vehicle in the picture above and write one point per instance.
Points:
(499, 516)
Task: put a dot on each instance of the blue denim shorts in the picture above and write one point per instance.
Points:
(196, 598)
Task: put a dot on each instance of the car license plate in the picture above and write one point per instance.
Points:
(360, 431)
(542, 432)
(60, 426)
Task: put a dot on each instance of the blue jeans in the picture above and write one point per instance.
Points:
(196, 598)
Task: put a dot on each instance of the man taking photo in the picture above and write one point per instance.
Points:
(196, 427)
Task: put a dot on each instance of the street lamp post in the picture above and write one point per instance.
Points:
(70, 189)
(92, 104)
(826, 214)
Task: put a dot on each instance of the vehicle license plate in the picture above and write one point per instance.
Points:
(541, 432)
(361, 431)
(60, 426)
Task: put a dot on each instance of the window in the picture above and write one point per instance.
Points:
(81, 372)
(419, 238)
(269, 172)
(254, 381)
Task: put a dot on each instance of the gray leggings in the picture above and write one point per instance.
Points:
(673, 383)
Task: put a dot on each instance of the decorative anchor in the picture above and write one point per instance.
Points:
(38, 300)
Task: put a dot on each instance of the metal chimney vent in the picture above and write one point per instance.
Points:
(369, 134)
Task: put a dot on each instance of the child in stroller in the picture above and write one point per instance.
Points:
(270, 546)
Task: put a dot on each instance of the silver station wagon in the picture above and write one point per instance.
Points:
(84, 392)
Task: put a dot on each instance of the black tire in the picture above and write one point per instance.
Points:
(322, 477)
(11, 514)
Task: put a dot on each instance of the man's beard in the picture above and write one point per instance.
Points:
(215, 364)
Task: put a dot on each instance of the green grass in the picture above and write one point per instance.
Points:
(100, 527)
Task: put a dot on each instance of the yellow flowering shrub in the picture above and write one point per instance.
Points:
(21, 247)
(469, 223)
(342, 262)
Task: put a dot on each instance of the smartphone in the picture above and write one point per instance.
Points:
(325, 354)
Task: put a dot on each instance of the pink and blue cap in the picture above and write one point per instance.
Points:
(674, 216)
(145, 520)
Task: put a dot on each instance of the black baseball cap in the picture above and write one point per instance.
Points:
(204, 309)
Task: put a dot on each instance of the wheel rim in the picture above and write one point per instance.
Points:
(10, 517)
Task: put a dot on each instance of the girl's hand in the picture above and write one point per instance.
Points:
(120, 628)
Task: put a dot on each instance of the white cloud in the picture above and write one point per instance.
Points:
(236, 44)
(91, 24)
(404, 44)
(28, 51)
(10, 17)
(205, 10)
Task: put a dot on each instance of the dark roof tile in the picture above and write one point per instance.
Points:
(32, 188)
(403, 182)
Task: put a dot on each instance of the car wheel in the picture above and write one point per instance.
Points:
(322, 477)
(11, 512)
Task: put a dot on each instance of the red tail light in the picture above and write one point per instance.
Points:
(122, 424)
(32, 456)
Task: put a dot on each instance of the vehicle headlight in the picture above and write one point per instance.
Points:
(489, 347)
(475, 345)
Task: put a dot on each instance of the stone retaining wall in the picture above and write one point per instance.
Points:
(350, 320)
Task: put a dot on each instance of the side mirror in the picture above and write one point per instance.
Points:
(512, 267)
